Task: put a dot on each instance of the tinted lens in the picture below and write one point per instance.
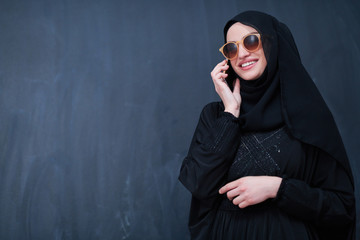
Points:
(251, 42)
(230, 50)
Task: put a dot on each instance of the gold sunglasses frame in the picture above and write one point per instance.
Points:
(242, 43)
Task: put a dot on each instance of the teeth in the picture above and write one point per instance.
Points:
(247, 63)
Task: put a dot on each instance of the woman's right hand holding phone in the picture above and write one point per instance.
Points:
(231, 99)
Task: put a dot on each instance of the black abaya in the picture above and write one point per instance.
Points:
(315, 199)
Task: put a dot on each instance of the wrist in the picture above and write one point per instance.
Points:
(234, 111)
(275, 185)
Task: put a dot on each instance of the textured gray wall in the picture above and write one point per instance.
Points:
(99, 101)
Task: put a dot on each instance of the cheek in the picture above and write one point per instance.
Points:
(263, 59)
(264, 63)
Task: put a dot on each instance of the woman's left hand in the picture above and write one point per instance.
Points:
(251, 190)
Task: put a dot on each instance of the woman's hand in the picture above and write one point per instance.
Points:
(231, 100)
(251, 190)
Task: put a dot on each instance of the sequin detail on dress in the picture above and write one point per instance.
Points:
(256, 154)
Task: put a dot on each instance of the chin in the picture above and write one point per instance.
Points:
(249, 77)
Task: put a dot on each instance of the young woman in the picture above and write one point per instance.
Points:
(267, 162)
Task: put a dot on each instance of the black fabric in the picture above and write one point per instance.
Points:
(203, 170)
(315, 199)
(285, 92)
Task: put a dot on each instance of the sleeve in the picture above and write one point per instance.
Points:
(211, 152)
(327, 200)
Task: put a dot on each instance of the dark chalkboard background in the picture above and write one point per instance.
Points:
(99, 101)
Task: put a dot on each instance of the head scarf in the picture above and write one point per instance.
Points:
(285, 94)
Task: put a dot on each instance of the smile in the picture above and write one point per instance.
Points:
(248, 63)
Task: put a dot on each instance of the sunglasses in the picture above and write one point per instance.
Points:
(251, 42)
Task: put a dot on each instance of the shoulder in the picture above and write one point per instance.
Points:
(210, 113)
(212, 109)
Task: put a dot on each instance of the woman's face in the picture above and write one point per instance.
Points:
(256, 59)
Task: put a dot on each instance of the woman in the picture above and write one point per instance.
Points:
(267, 162)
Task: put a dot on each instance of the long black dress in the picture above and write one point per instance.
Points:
(315, 199)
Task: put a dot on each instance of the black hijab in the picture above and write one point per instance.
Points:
(285, 94)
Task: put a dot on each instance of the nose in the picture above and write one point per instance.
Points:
(242, 52)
